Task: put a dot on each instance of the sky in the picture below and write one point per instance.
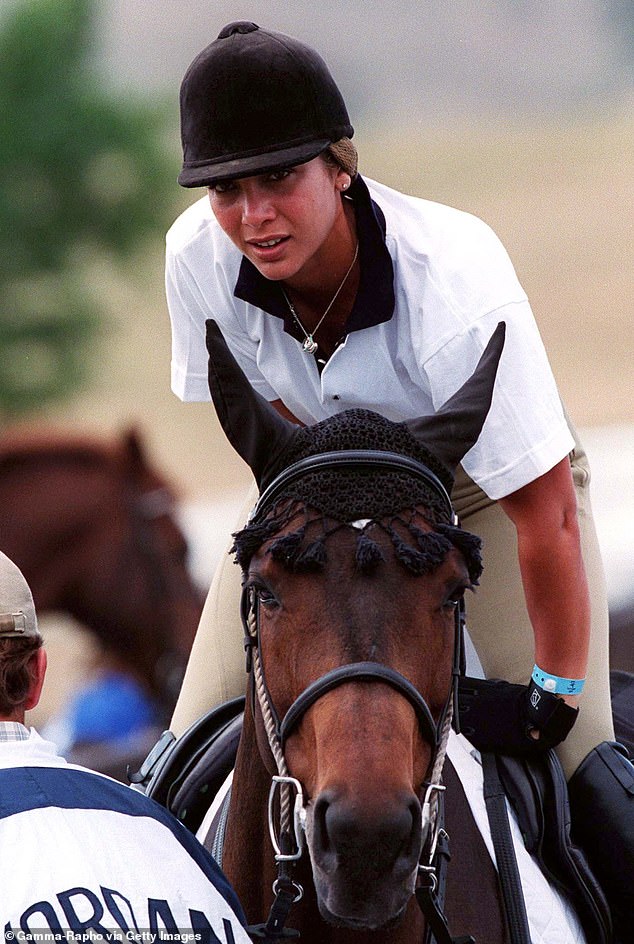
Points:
(408, 57)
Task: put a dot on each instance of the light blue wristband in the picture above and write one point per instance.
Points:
(557, 685)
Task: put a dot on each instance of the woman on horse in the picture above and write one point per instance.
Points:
(335, 292)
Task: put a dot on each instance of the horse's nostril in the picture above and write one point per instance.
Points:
(319, 820)
(416, 828)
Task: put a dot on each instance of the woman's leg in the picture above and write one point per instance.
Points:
(216, 668)
(498, 621)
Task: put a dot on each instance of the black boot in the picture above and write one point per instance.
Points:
(602, 811)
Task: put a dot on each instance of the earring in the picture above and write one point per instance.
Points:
(346, 184)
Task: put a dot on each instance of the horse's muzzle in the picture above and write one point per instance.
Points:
(364, 861)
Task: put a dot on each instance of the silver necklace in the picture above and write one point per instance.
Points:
(309, 344)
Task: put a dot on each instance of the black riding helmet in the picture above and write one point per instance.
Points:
(255, 101)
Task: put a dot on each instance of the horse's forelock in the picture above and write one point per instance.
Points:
(302, 547)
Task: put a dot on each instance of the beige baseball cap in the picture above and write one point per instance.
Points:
(17, 610)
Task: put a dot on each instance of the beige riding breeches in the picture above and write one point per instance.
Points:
(497, 620)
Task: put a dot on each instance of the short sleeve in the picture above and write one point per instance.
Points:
(190, 305)
(525, 433)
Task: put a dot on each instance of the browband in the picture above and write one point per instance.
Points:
(357, 458)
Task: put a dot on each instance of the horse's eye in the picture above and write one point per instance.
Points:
(266, 596)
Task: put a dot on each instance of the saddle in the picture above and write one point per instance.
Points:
(537, 791)
(185, 774)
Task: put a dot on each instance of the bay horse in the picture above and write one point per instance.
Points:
(354, 571)
(90, 523)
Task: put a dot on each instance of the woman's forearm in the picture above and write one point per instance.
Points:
(553, 574)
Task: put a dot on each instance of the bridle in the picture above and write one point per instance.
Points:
(288, 843)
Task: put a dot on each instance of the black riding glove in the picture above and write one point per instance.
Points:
(498, 716)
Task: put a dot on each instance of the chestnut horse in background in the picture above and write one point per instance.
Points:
(90, 524)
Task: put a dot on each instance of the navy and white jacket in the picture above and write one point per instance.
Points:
(86, 854)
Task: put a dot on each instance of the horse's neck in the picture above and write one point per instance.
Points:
(45, 516)
(52, 502)
(249, 863)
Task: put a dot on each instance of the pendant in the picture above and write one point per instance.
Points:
(309, 345)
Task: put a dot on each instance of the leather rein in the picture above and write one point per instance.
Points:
(288, 840)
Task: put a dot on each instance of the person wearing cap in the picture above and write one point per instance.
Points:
(82, 852)
(334, 292)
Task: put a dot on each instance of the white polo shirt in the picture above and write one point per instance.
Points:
(435, 282)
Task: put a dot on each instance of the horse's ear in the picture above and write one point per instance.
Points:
(253, 427)
(451, 432)
(133, 447)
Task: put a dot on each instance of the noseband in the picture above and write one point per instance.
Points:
(287, 891)
(360, 672)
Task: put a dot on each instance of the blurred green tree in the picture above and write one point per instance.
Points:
(80, 171)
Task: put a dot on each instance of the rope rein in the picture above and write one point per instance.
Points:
(439, 763)
(269, 723)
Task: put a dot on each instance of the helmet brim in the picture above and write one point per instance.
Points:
(207, 173)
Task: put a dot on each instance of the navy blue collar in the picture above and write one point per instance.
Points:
(374, 303)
